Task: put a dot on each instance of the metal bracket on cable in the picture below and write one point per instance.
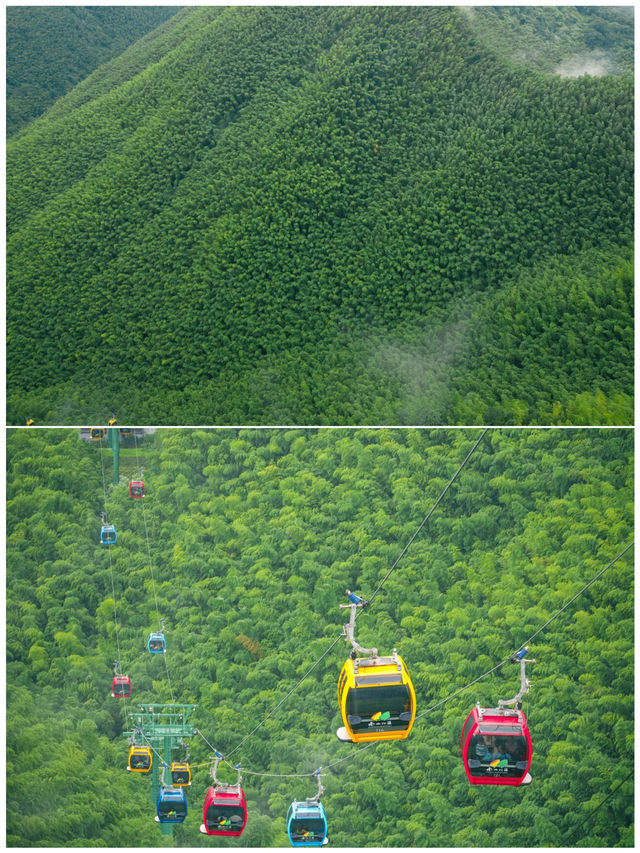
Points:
(316, 799)
(216, 761)
(525, 684)
(349, 629)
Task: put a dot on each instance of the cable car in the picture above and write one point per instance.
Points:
(156, 643)
(124, 430)
(495, 742)
(136, 489)
(121, 687)
(377, 699)
(375, 694)
(225, 810)
(307, 824)
(97, 433)
(171, 805)
(30, 422)
(112, 421)
(108, 534)
(140, 759)
(180, 773)
(496, 746)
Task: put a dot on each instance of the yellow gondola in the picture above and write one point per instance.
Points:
(377, 699)
(375, 694)
(97, 433)
(180, 774)
(140, 759)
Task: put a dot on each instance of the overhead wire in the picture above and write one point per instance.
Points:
(370, 598)
(153, 580)
(590, 813)
(113, 587)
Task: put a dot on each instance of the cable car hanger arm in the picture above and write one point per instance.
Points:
(349, 628)
(518, 657)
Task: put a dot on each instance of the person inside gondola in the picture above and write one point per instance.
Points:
(140, 760)
(486, 748)
(514, 749)
(311, 830)
(225, 818)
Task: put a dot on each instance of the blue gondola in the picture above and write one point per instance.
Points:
(171, 805)
(108, 534)
(307, 824)
(156, 643)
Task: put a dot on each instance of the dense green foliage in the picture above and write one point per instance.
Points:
(216, 235)
(254, 535)
(559, 39)
(50, 49)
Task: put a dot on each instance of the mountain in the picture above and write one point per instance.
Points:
(50, 49)
(237, 219)
(244, 544)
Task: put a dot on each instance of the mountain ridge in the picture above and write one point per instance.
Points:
(274, 206)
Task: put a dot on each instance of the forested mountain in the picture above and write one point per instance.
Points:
(251, 538)
(316, 215)
(50, 49)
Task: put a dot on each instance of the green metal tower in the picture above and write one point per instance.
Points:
(161, 727)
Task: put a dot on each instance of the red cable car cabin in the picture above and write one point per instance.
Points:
(121, 687)
(496, 747)
(225, 810)
(136, 489)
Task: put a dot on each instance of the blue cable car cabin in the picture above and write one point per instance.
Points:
(108, 534)
(156, 644)
(171, 805)
(307, 824)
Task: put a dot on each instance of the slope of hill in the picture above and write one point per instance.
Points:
(213, 237)
(566, 40)
(50, 49)
(253, 537)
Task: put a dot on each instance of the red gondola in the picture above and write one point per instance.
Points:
(495, 742)
(225, 811)
(121, 687)
(136, 489)
(225, 807)
(496, 746)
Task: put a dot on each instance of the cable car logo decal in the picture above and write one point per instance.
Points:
(499, 764)
(381, 716)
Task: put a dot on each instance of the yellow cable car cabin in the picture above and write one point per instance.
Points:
(140, 759)
(180, 773)
(377, 699)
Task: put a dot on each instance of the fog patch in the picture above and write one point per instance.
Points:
(594, 63)
(423, 373)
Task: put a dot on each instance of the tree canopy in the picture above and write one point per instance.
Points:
(50, 49)
(248, 214)
(252, 537)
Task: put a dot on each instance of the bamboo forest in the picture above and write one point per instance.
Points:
(181, 628)
(320, 215)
